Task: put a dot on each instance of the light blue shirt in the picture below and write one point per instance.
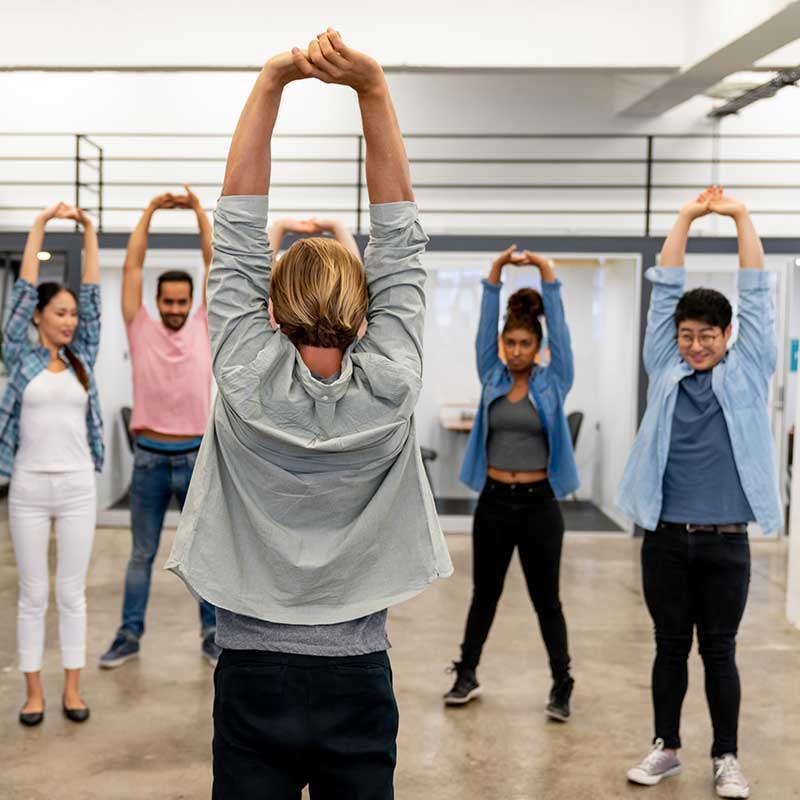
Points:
(740, 383)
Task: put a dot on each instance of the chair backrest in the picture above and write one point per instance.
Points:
(574, 421)
(126, 423)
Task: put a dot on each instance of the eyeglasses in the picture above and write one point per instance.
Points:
(705, 339)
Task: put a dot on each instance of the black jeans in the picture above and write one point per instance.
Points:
(528, 517)
(282, 722)
(696, 579)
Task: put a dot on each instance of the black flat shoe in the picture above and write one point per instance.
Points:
(31, 719)
(76, 714)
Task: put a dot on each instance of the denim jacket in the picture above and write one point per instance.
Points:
(547, 388)
(741, 385)
(25, 361)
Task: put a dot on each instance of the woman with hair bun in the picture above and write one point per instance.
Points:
(51, 443)
(520, 458)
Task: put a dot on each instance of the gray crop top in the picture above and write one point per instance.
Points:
(517, 440)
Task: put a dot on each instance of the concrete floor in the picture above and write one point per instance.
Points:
(150, 732)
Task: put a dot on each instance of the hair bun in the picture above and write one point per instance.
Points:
(526, 303)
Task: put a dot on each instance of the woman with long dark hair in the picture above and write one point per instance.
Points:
(520, 458)
(51, 443)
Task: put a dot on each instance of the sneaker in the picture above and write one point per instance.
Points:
(123, 648)
(465, 688)
(558, 704)
(729, 780)
(655, 767)
(210, 649)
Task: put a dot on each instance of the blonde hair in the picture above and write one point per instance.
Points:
(319, 293)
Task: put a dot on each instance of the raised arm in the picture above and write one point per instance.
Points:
(660, 344)
(561, 365)
(757, 341)
(132, 270)
(204, 228)
(487, 356)
(29, 270)
(238, 283)
(751, 251)
(332, 61)
(87, 335)
(24, 296)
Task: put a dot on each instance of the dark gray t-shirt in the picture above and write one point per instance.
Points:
(517, 440)
(701, 484)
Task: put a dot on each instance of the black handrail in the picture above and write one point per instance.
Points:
(97, 182)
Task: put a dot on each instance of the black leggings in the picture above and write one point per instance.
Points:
(696, 580)
(527, 516)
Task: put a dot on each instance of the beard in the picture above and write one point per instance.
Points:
(174, 321)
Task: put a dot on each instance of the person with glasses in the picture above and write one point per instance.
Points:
(701, 469)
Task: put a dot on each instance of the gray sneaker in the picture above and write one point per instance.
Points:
(124, 647)
(656, 766)
(729, 780)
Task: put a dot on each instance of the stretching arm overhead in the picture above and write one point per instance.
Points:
(133, 269)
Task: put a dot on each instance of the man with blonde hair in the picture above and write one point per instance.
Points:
(309, 513)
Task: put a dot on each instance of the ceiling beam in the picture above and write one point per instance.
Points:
(738, 54)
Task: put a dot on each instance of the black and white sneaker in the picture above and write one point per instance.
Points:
(465, 688)
(558, 704)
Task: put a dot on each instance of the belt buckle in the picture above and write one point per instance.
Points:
(700, 528)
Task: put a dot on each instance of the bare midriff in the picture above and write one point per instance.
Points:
(505, 476)
(163, 437)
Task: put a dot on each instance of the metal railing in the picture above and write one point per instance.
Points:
(97, 157)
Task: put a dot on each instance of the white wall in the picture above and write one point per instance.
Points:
(442, 103)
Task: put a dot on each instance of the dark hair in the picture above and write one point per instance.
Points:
(46, 292)
(525, 307)
(704, 305)
(175, 275)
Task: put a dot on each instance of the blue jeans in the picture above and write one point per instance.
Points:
(156, 478)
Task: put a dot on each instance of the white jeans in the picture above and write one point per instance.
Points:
(34, 500)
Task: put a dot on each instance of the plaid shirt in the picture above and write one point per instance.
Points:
(26, 360)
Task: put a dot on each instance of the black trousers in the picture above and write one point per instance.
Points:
(282, 722)
(696, 580)
(526, 517)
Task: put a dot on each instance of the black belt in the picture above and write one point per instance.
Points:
(740, 527)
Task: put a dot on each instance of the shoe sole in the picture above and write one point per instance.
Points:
(117, 662)
(733, 796)
(554, 715)
(652, 780)
(460, 701)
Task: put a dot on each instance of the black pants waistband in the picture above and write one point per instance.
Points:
(536, 490)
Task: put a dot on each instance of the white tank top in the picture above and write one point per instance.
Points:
(53, 435)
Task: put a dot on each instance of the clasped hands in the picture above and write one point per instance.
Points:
(65, 211)
(169, 200)
(713, 200)
(328, 59)
(523, 259)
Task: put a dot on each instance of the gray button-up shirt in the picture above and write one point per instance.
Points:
(309, 503)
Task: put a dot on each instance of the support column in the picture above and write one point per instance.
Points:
(793, 572)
